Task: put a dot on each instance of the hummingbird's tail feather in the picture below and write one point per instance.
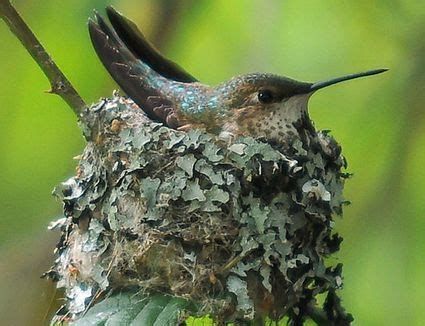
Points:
(133, 76)
(136, 42)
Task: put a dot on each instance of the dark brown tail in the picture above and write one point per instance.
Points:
(136, 42)
(132, 75)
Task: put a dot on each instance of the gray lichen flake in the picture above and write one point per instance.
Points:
(242, 229)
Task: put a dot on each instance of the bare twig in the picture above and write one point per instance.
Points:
(233, 262)
(60, 85)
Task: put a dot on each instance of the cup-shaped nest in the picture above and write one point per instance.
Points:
(241, 229)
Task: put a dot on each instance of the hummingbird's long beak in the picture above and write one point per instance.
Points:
(326, 83)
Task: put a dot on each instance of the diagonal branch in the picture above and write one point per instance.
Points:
(60, 85)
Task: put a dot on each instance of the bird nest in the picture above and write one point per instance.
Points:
(242, 229)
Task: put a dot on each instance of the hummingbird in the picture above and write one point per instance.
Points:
(261, 105)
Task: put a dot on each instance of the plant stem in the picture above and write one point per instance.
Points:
(60, 85)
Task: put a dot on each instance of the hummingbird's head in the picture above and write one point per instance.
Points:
(271, 106)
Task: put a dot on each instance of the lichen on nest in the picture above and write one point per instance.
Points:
(241, 229)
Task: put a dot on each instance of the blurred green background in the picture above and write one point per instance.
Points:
(380, 122)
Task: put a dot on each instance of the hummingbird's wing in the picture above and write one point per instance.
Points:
(133, 76)
(136, 42)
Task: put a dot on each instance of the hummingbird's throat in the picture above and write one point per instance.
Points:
(278, 121)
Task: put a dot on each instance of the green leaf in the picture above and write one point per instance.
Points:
(172, 312)
(134, 309)
(151, 311)
(200, 321)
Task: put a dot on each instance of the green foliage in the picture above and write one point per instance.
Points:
(134, 309)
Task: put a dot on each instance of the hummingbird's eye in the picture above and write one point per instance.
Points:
(265, 96)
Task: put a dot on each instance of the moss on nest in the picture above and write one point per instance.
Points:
(242, 229)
